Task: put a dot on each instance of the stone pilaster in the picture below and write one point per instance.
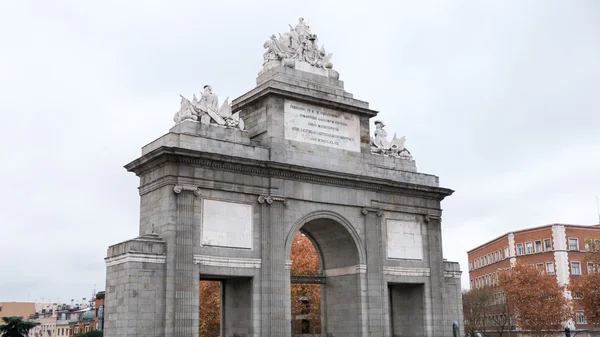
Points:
(275, 297)
(374, 277)
(186, 276)
(436, 265)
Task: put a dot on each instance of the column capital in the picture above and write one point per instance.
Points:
(269, 199)
(184, 187)
(377, 211)
(428, 218)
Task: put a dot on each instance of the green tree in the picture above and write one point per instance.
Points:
(92, 334)
(16, 327)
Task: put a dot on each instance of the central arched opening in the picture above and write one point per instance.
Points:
(325, 277)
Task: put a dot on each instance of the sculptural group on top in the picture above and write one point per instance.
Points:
(299, 44)
(207, 110)
(394, 148)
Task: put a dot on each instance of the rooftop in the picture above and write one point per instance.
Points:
(594, 227)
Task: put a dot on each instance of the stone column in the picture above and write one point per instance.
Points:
(288, 289)
(275, 302)
(186, 276)
(436, 265)
(375, 282)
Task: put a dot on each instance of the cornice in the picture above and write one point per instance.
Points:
(165, 154)
(286, 90)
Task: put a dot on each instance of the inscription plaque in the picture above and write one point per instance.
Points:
(226, 224)
(321, 126)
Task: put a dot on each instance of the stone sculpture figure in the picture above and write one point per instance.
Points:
(380, 145)
(297, 45)
(186, 111)
(209, 100)
(207, 110)
(274, 52)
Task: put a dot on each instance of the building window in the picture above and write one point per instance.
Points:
(581, 317)
(471, 284)
(597, 245)
(573, 244)
(505, 252)
(520, 249)
(550, 267)
(575, 268)
(548, 245)
(540, 267)
(500, 254)
(485, 260)
(538, 246)
(529, 247)
(591, 268)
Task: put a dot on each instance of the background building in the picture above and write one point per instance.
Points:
(559, 249)
(19, 309)
(54, 319)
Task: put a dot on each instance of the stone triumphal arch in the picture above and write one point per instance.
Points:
(225, 190)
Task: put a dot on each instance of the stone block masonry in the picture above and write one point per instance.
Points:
(222, 199)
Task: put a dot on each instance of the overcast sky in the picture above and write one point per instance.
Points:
(500, 99)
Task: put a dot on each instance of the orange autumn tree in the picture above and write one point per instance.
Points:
(587, 287)
(210, 308)
(305, 298)
(536, 300)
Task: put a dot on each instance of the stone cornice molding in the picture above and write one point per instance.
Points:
(184, 187)
(452, 274)
(377, 212)
(280, 88)
(403, 208)
(135, 257)
(201, 183)
(227, 262)
(406, 271)
(350, 270)
(165, 155)
(269, 199)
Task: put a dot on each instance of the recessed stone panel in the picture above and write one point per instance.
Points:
(320, 126)
(404, 240)
(226, 224)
